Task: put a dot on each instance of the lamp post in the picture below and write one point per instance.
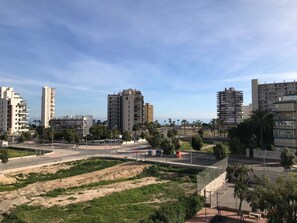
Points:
(86, 144)
(52, 137)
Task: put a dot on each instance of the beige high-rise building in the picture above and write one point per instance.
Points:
(246, 111)
(148, 113)
(47, 105)
(264, 95)
(14, 115)
(125, 109)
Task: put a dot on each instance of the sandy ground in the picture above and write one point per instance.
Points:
(29, 193)
(14, 176)
(87, 195)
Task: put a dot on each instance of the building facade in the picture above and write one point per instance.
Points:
(14, 113)
(229, 107)
(47, 105)
(246, 111)
(80, 123)
(148, 113)
(264, 95)
(125, 109)
(285, 122)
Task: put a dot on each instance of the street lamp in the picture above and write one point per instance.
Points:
(52, 137)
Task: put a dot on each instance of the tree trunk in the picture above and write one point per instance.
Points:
(261, 135)
(240, 205)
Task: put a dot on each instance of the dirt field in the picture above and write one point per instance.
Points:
(13, 176)
(31, 193)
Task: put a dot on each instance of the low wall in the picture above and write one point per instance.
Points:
(275, 155)
(215, 184)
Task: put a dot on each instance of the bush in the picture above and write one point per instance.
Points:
(196, 142)
(219, 151)
(177, 212)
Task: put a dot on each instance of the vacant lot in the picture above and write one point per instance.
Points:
(111, 191)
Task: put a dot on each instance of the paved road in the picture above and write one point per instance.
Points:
(66, 152)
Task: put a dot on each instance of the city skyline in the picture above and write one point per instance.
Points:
(179, 55)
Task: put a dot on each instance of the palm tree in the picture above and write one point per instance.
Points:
(261, 118)
(213, 126)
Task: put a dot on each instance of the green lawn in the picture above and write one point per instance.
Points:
(186, 146)
(12, 153)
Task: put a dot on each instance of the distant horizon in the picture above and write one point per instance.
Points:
(178, 54)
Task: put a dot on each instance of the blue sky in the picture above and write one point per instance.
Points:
(178, 53)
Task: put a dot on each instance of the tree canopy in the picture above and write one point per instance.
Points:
(278, 198)
(220, 151)
(196, 142)
(287, 158)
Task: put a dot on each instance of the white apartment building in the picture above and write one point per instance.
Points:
(229, 107)
(14, 115)
(80, 123)
(264, 95)
(47, 105)
(125, 109)
(285, 122)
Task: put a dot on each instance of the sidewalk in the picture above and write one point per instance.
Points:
(205, 215)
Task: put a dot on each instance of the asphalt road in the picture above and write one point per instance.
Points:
(66, 152)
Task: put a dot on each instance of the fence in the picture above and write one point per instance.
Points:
(210, 174)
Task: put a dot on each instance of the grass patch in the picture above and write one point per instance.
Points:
(13, 152)
(176, 174)
(78, 167)
(127, 206)
(185, 146)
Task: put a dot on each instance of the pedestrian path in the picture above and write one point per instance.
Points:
(205, 215)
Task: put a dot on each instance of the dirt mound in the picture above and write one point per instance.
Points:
(43, 170)
(87, 195)
(4, 179)
(24, 195)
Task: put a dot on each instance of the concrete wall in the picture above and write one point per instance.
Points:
(214, 185)
(267, 154)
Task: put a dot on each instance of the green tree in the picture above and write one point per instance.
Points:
(168, 148)
(4, 136)
(176, 143)
(240, 175)
(155, 140)
(287, 158)
(22, 138)
(98, 131)
(220, 151)
(278, 198)
(69, 135)
(196, 142)
(170, 133)
(262, 120)
(127, 136)
(4, 156)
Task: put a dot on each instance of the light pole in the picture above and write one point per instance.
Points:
(52, 137)
(86, 144)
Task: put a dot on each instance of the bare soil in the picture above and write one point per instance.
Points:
(13, 177)
(30, 193)
(90, 194)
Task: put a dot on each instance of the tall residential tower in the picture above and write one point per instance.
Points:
(14, 113)
(264, 95)
(229, 107)
(47, 105)
(148, 113)
(125, 109)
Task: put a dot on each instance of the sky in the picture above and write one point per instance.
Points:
(179, 54)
